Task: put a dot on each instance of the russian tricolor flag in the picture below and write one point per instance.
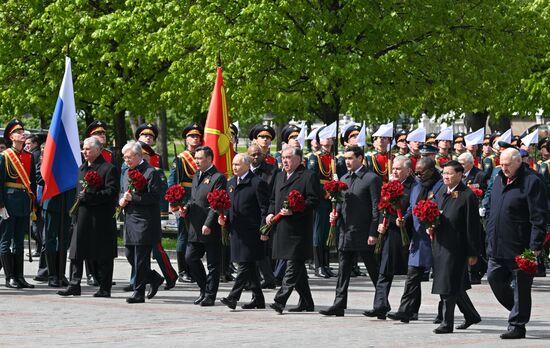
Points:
(62, 151)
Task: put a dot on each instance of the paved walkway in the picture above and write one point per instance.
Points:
(38, 317)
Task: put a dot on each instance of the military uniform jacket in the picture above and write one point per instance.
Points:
(457, 237)
(199, 213)
(292, 235)
(182, 171)
(14, 197)
(516, 214)
(250, 200)
(378, 163)
(358, 213)
(476, 177)
(142, 213)
(94, 232)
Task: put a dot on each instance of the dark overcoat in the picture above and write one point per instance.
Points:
(394, 256)
(199, 213)
(250, 200)
(457, 237)
(358, 213)
(142, 213)
(94, 233)
(293, 235)
(516, 215)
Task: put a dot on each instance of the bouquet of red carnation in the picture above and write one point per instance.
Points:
(136, 182)
(527, 262)
(335, 189)
(477, 191)
(91, 179)
(428, 213)
(295, 202)
(219, 201)
(174, 195)
(390, 204)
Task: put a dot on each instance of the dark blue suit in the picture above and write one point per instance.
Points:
(516, 220)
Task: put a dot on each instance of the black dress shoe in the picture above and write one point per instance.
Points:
(253, 305)
(466, 324)
(102, 293)
(207, 302)
(332, 311)
(437, 320)
(413, 317)
(12, 284)
(70, 291)
(302, 309)
(155, 283)
(135, 298)
(199, 299)
(128, 288)
(371, 313)
(224, 278)
(277, 307)
(265, 285)
(231, 303)
(169, 284)
(23, 283)
(40, 278)
(443, 330)
(54, 282)
(184, 277)
(513, 334)
(403, 317)
(329, 272)
(36, 253)
(320, 272)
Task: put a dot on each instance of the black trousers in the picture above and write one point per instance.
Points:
(446, 309)
(208, 284)
(247, 274)
(139, 257)
(104, 272)
(346, 261)
(371, 262)
(381, 303)
(412, 293)
(517, 299)
(295, 277)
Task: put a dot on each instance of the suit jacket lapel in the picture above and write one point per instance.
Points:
(297, 173)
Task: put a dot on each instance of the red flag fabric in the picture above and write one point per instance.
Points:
(217, 131)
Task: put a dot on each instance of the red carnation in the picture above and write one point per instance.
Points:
(219, 201)
(527, 262)
(295, 202)
(390, 204)
(174, 195)
(428, 213)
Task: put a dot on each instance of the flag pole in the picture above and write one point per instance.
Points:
(335, 147)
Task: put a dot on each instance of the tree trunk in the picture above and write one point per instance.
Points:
(120, 137)
(162, 141)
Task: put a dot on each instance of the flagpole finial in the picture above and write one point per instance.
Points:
(219, 60)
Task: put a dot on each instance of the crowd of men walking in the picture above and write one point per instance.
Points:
(475, 234)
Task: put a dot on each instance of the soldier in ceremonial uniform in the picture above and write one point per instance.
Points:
(401, 142)
(263, 135)
(288, 136)
(543, 167)
(234, 136)
(379, 160)
(182, 171)
(348, 137)
(18, 184)
(415, 139)
(98, 129)
(431, 139)
(322, 163)
(459, 145)
(32, 145)
(444, 143)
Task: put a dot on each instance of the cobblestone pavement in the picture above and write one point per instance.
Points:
(38, 317)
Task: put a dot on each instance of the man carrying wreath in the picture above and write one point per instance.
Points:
(292, 235)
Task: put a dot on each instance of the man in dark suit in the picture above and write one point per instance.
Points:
(292, 236)
(250, 200)
(266, 172)
(94, 232)
(456, 245)
(204, 230)
(394, 255)
(420, 250)
(141, 221)
(358, 222)
(477, 178)
(516, 220)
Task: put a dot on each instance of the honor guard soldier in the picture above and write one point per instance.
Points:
(263, 135)
(543, 166)
(459, 145)
(321, 163)
(416, 138)
(401, 142)
(378, 160)
(348, 137)
(427, 150)
(18, 183)
(99, 129)
(490, 158)
(234, 136)
(444, 141)
(431, 139)
(182, 171)
(288, 136)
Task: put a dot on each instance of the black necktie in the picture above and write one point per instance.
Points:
(238, 180)
(200, 177)
(353, 176)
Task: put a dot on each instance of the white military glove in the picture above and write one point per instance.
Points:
(482, 212)
(4, 213)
